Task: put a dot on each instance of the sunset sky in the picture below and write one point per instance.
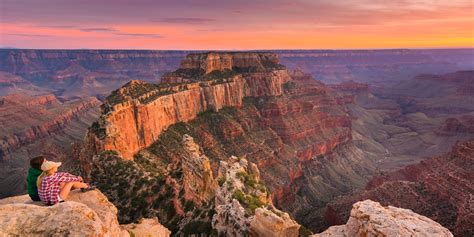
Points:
(240, 24)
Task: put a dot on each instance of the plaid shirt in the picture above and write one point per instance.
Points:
(49, 188)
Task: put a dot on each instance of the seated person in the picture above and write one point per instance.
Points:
(33, 172)
(54, 187)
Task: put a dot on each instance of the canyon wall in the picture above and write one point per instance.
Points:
(134, 121)
(283, 121)
(27, 119)
(440, 188)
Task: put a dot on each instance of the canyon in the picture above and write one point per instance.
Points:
(265, 121)
(36, 125)
(93, 215)
(156, 142)
(440, 188)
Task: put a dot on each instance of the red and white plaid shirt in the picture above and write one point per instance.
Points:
(49, 188)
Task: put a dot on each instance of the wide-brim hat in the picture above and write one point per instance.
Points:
(47, 165)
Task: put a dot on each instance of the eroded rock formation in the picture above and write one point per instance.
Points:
(286, 123)
(83, 214)
(26, 119)
(243, 205)
(198, 180)
(136, 114)
(440, 188)
(369, 218)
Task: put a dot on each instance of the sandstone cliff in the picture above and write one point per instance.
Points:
(136, 114)
(209, 62)
(83, 214)
(369, 218)
(286, 123)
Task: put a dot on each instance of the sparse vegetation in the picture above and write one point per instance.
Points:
(250, 202)
(221, 181)
(96, 129)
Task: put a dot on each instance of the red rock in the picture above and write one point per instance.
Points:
(440, 188)
(28, 119)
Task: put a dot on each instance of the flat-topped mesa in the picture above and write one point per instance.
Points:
(237, 61)
(135, 115)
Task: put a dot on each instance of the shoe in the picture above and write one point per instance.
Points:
(91, 187)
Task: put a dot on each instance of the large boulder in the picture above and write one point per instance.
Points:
(369, 218)
(83, 214)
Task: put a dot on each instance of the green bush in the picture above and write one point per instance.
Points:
(221, 181)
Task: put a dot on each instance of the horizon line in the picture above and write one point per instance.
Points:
(275, 49)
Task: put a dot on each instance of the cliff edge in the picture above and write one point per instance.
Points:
(84, 214)
(369, 218)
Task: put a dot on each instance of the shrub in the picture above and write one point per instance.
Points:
(221, 181)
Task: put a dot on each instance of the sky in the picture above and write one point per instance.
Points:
(236, 25)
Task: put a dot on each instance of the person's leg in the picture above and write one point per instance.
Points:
(66, 188)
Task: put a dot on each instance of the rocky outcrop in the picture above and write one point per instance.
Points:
(83, 214)
(243, 205)
(146, 228)
(218, 61)
(300, 140)
(132, 125)
(369, 218)
(28, 119)
(439, 188)
(199, 183)
(136, 114)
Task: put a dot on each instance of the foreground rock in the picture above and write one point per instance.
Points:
(243, 205)
(84, 214)
(369, 218)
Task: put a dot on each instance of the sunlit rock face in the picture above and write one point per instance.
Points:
(135, 115)
(369, 218)
(283, 121)
(83, 214)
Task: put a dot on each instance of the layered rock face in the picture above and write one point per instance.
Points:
(133, 125)
(83, 214)
(440, 188)
(80, 73)
(369, 218)
(40, 125)
(450, 93)
(136, 114)
(27, 119)
(209, 62)
(286, 123)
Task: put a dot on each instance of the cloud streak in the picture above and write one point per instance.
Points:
(154, 36)
(238, 24)
(185, 20)
(98, 29)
